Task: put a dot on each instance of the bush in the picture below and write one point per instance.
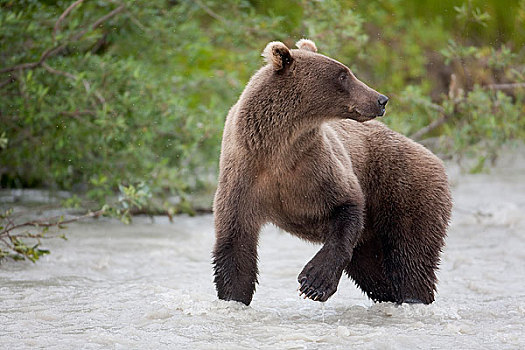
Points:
(100, 94)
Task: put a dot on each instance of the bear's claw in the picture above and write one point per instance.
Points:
(317, 280)
(316, 292)
(310, 293)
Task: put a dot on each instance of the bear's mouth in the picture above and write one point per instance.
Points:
(381, 113)
(359, 116)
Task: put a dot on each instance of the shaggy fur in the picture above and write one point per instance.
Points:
(299, 151)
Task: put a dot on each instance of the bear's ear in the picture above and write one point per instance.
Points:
(305, 44)
(278, 55)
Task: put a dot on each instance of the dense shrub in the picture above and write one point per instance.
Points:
(126, 92)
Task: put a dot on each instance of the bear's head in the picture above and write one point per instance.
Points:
(318, 86)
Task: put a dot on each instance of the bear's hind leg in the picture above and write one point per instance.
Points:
(367, 270)
(410, 260)
(392, 269)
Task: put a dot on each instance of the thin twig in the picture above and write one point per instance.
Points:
(454, 97)
(8, 81)
(76, 113)
(435, 124)
(64, 15)
(211, 13)
(98, 22)
(87, 85)
(99, 97)
(19, 67)
(47, 223)
(59, 48)
(22, 88)
(100, 43)
(108, 16)
(137, 22)
(58, 72)
(445, 117)
(48, 53)
(6, 243)
(436, 107)
(506, 86)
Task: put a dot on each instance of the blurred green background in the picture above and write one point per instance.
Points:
(101, 95)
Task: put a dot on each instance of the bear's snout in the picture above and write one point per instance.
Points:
(382, 101)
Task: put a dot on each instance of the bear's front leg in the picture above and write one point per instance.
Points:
(320, 277)
(235, 259)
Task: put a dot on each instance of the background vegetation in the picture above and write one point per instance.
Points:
(108, 94)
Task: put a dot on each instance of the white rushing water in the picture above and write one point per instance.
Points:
(149, 286)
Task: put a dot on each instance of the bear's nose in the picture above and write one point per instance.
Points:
(382, 100)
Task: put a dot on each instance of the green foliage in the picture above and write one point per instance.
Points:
(13, 246)
(140, 98)
(130, 198)
(341, 37)
(20, 240)
(3, 141)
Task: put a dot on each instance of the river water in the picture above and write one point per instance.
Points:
(149, 286)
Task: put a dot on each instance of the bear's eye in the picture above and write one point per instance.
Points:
(343, 81)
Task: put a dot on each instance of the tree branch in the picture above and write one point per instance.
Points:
(58, 72)
(98, 22)
(453, 95)
(48, 223)
(211, 13)
(7, 81)
(506, 86)
(64, 15)
(435, 124)
(48, 53)
(57, 49)
(87, 85)
(77, 113)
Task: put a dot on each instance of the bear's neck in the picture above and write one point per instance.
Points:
(277, 137)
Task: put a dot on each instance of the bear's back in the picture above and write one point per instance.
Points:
(390, 165)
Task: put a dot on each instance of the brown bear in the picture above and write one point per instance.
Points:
(299, 151)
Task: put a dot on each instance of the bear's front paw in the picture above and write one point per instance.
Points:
(319, 279)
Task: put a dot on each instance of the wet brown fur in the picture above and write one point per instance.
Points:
(299, 150)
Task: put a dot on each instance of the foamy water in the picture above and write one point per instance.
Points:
(149, 286)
